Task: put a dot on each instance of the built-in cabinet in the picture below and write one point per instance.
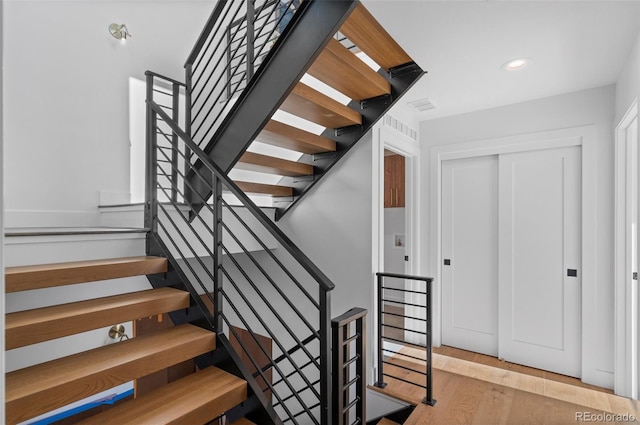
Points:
(394, 186)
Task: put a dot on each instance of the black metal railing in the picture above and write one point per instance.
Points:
(349, 367)
(232, 46)
(404, 332)
(268, 298)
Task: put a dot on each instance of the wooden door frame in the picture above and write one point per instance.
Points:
(584, 136)
(626, 342)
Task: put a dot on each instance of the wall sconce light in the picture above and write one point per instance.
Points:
(119, 31)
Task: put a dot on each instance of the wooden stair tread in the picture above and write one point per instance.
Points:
(367, 33)
(385, 421)
(339, 68)
(308, 103)
(47, 386)
(285, 136)
(264, 189)
(24, 278)
(267, 164)
(194, 399)
(33, 326)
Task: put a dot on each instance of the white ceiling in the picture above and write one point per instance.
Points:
(574, 45)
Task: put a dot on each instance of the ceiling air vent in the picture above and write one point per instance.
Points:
(422, 105)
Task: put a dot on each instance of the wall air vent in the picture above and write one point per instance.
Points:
(422, 105)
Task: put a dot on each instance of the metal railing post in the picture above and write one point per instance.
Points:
(380, 381)
(174, 142)
(429, 399)
(151, 204)
(251, 16)
(361, 369)
(218, 276)
(338, 375)
(326, 396)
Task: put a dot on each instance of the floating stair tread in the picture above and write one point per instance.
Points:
(41, 388)
(268, 164)
(308, 103)
(24, 278)
(385, 421)
(285, 136)
(339, 68)
(370, 37)
(195, 399)
(33, 326)
(265, 189)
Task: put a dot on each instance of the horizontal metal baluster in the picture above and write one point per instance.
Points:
(217, 48)
(275, 286)
(273, 256)
(175, 245)
(289, 375)
(274, 339)
(397, 353)
(405, 368)
(403, 380)
(403, 329)
(187, 222)
(402, 315)
(271, 308)
(403, 342)
(405, 290)
(195, 255)
(214, 32)
(255, 365)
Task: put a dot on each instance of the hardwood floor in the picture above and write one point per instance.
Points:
(474, 389)
(500, 364)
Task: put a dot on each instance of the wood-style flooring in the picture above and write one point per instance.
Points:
(473, 389)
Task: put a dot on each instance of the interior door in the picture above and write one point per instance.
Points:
(470, 254)
(540, 254)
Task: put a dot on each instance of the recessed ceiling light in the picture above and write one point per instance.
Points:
(516, 64)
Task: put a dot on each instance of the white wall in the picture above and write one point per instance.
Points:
(628, 84)
(589, 107)
(66, 97)
(332, 225)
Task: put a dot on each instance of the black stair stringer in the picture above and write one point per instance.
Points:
(256, 407)
(372, 110)
(310, 30)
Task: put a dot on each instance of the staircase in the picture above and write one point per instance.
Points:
(330, 75)
(41, 388)
(249, 306)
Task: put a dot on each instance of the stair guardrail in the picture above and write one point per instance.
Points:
(404, 339)
(255, 285)
(233, 44)
(349, 367)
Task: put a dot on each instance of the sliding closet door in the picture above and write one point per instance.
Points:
(540, 252)
(470, 254)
